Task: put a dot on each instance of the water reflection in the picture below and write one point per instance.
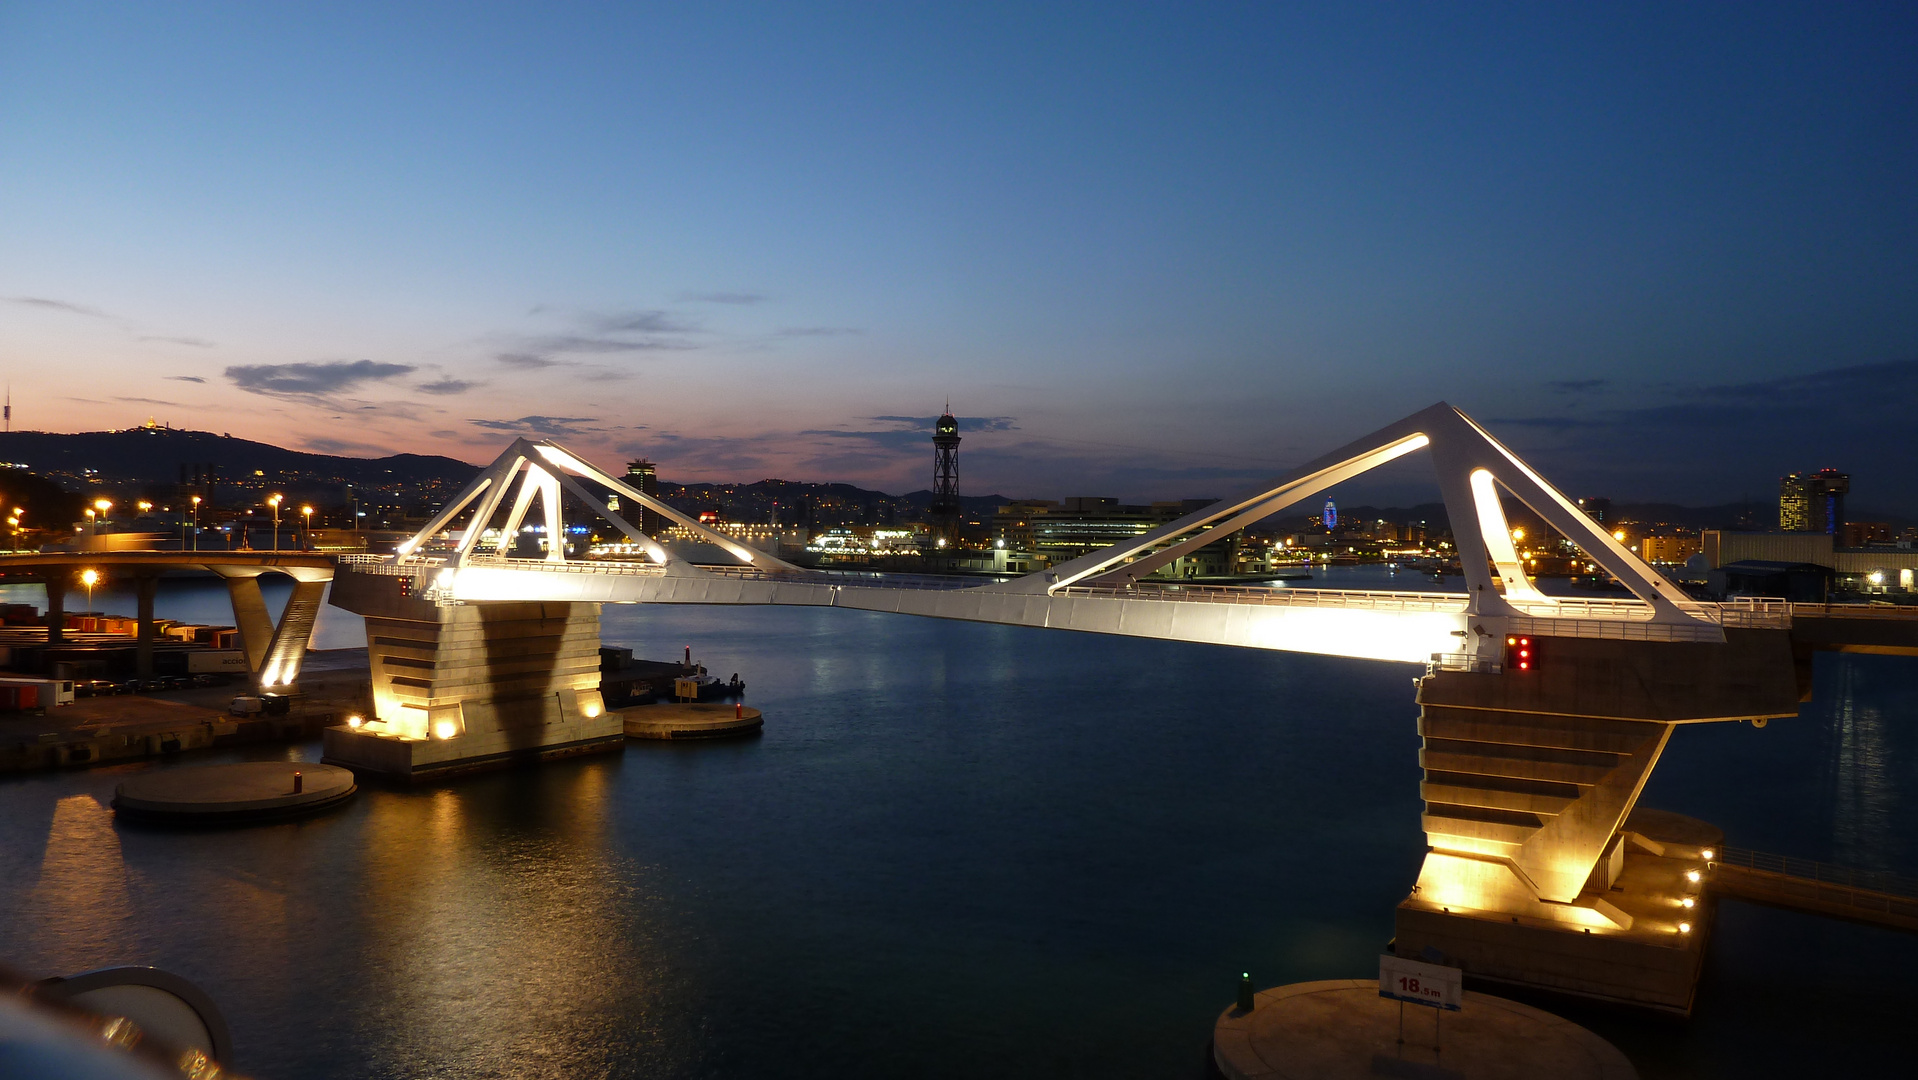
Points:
(82, 906)
(501, 930)
(1861, 775)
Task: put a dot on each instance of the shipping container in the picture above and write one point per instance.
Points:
(203, 661)
(46, 691)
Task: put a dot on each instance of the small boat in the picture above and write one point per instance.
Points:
(710, 688)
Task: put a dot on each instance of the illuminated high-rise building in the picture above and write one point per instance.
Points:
(644, 475)
(1813, 502)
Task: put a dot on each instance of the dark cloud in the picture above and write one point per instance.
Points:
(819, 331)
(446, 386)
(47, 304)
(185, 378)
(444, 434)
(1577, 386)
(526, 361)
(580, 343)
(194, 342)
(723, 298)
(556, 427)
(758, 456)
(151, 401)
(641, 322)
(1703, 444)
(311, 379)
(966, 423)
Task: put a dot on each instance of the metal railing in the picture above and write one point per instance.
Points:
(1842, 877)
(1463, 662)
(1615, 629)
(871, 579)
(1317, 598)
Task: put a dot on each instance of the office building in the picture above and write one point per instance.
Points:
(1813, 502)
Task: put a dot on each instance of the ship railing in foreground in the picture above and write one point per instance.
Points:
(1463, 662)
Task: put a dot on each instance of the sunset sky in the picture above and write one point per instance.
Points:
(1145, 250)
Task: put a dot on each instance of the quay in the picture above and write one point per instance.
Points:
(131, 727)
(1341, 1029)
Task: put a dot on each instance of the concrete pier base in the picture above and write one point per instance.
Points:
(690, 720)
(1649, 955)
(462, 687)
(246, 791)
(1342, 1028)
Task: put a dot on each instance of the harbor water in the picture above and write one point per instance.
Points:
(957, 850)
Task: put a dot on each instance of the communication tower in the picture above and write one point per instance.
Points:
(945, 478)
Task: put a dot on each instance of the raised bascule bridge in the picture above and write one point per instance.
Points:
(1542, 717)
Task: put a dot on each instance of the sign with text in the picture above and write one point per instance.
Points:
(1421, 984)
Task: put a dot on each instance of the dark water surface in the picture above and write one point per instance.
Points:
(958, 850)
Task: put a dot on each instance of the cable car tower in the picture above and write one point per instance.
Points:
(945, 509)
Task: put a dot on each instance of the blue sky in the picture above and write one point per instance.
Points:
(1154, 250)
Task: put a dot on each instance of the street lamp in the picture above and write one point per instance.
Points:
(102, 505)
(196, 523)
(307, 512)
(145, 507)
(93, 522)
(14, 524)
(274, 502)
(89, 578)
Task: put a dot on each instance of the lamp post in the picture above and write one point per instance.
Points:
(89, 578)
(274, 502)
(102, 505)
(306, 543)
(93, 522)
(145, 507)
(196, 523)
(14, 524)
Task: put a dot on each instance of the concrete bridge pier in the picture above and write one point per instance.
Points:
(466, 686)
(144, 587)
(56, 608)
(1540, 870)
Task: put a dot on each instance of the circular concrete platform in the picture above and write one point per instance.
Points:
(1342, 1028)
(690, 720)
(242, 792)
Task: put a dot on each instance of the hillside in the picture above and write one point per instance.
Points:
(161, 455)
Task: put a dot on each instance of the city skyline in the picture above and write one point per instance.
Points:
(1667, 256)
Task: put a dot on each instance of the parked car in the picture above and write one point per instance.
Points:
(208, 680)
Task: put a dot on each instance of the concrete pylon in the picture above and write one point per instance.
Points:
(56, 608)
(144, 587)
(250, 615)
(274, 654)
